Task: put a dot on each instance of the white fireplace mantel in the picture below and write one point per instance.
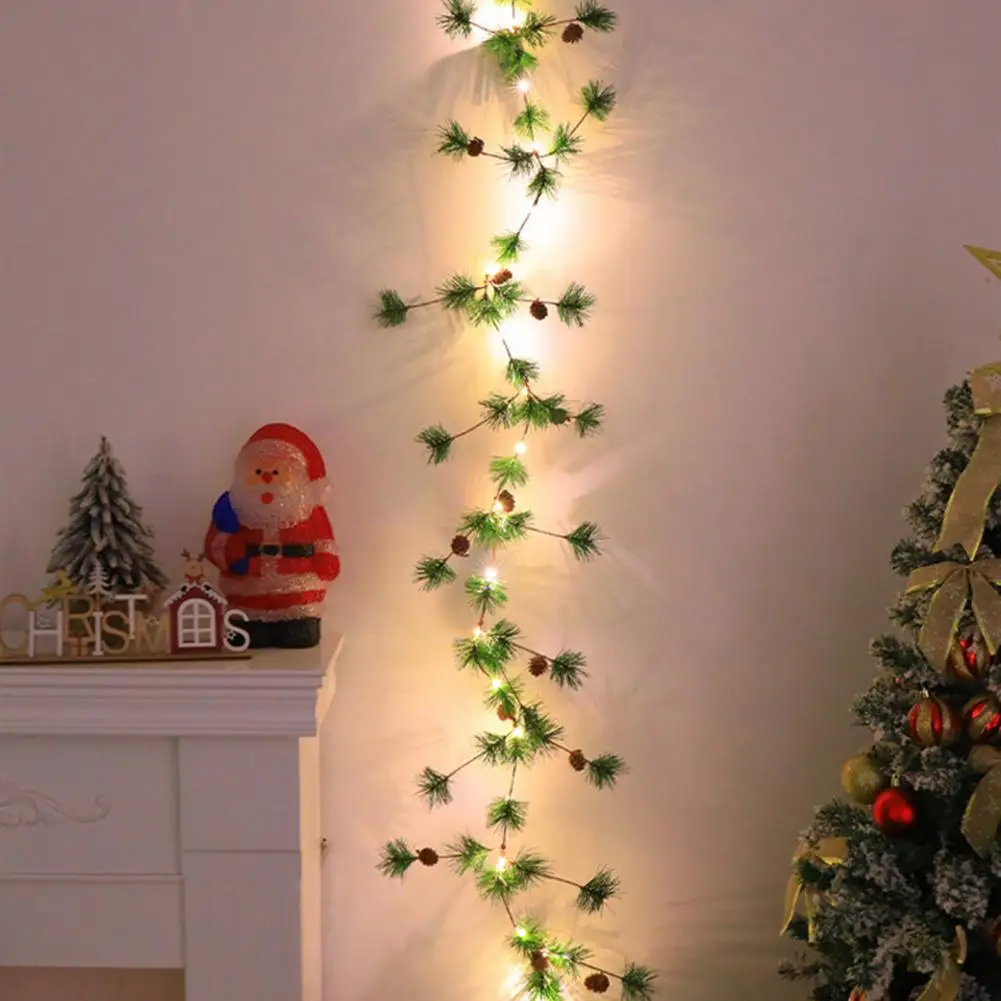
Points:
(166, 816)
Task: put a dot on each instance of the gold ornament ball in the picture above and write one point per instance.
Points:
(862, 779)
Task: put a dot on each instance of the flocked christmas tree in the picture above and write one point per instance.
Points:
(898, 890)
(105, 548)
(503, 865)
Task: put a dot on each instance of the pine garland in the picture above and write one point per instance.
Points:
(538, 156)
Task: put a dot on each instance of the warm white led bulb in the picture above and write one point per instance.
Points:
(477, 632)
(524, 85)
(490, 574)
(500, 864)
(498, 507)
(496, 683)
(520, 448)
(520, 932)
(517, 732)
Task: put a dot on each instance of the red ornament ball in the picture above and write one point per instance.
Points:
(982, 715)
(969, 659)
(895, 812)
(934, 723)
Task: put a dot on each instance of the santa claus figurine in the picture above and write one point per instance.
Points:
(271, 538)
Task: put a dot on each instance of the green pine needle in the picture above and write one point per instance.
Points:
(532, 119)
(497, 411)
(596, 892)
(542, 985)
(457, 20)
(519, 874)
(598, 99)
(543, 412)
(603, 770)
(458, 292)
(565, 144)
(490, 529)
(432, 572)
(520, 161)
(396, 859)
(637, 983)
(545, 183)
(485, 596)
(508, 814)
(574, 305)
(588, 421)
(392, 310)
(566, 956)
(537, 29)
(438, 442)
(542, 732)
(508, 247)
(593, 15)
(453, 140)
(479, 653)
(506, 696)
(493, 748)
(467, 854)
(567, 669)
(528, 937)
(495, 305)
(508, 471)
(583, 540)
(520, 372)
(513, 59)
(434, 787)
(531, 867)
(488, 652)
(502, 636)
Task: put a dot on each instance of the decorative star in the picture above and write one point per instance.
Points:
(990, 259)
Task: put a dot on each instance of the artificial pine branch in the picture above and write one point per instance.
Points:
(491, 649)
(433, 571)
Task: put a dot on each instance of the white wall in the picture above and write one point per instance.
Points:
(197, 201)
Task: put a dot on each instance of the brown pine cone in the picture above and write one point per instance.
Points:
(577, 760)
(538, 666)
(539, 310)
(427, 856)
(475, 147)
(539, 962)
(597, 982)
(506, 500)
(460, 545)
(502, 276)
(573, 33)
(503, 715)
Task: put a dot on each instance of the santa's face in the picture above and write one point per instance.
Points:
(270, 486)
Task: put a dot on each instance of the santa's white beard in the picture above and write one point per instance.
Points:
(290, 506)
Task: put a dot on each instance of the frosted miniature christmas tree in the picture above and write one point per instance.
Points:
(105, 547)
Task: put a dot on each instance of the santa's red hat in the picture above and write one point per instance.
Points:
(292, 437)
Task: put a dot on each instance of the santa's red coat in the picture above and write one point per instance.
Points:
(287, 572)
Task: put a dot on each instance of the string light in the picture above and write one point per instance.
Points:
(496, 683)
(524, 85)
(490, 574)
(518, 732)
(501, 864)
(520, 448)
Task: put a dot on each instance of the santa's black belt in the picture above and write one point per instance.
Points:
(293, 551)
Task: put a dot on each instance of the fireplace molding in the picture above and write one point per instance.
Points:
(167, 817)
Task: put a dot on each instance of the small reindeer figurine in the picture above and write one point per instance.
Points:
(194, 570)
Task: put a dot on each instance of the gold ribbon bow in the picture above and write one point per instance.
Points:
(982, 817)
(967, 508)
(829, 851)
(945, 984)
(955, 583)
